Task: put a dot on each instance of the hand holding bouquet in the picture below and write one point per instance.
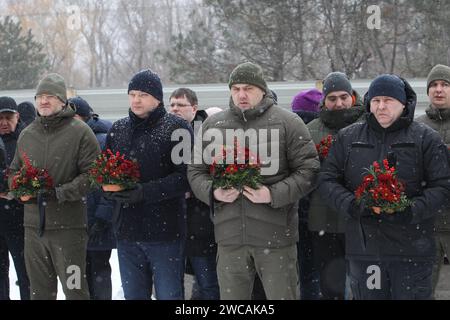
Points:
(381, 190)
(29, 180)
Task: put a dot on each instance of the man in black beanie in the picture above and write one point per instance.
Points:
(390, 254)
(151, 227)
(437, 116)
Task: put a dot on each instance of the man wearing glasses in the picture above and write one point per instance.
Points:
(201, 248)
(55, 221)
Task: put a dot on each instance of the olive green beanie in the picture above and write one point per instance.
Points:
(248, 73)
(53, 84)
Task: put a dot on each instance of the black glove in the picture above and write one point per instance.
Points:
(400, 217)
(134, 195)
(97, 229)
(357, 211)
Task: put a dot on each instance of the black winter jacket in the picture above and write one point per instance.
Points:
(200, 237)
(421, 163)
(161, 215)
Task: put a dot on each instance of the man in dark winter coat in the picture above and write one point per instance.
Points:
(437, 116)
(11, 211)
(390, 255)
(151, 229)
(340, 107)
(201, 248)
(55, 220)
(101, 235)
(256, 229)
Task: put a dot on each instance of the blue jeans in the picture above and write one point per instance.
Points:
(139, 261)
(206, 286)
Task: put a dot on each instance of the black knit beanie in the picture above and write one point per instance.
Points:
(147, 81)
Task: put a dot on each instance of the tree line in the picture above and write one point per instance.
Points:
(101, 43)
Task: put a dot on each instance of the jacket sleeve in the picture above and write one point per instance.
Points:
(77, 188)
(173, 185)
(331, 183)
(303, 164)
(437, 176)
(198, 174)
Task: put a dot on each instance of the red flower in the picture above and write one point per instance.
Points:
(29, 179)
(110, 168)
(244, 170)
(381, 189)
(323, 147)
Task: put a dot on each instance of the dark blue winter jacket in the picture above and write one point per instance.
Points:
(422, 163)
(100, 210)
(161, 215)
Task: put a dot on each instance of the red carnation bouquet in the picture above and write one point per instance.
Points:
(381, 190)
(29, 180)
(113, 172)
(245, 169)
(323, 147)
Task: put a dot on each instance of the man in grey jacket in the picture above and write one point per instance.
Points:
(256, 229)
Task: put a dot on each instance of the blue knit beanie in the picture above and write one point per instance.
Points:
(387, 85)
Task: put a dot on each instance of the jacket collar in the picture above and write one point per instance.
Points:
(266, 103)
(437, 114)
(405, 119)
(152, 118)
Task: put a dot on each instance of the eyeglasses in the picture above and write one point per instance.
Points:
(179, 105)
(47, 97)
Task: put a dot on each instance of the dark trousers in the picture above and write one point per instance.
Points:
(98, 273)
(329, 260)
(4, 270)
(206, 286)
(308, 274)
(391, 280)
(12, 240)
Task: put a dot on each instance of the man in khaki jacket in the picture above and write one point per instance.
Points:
(437, 116)
(56, 223)
(256, 229)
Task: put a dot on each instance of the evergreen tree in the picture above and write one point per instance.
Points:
(21, 57)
